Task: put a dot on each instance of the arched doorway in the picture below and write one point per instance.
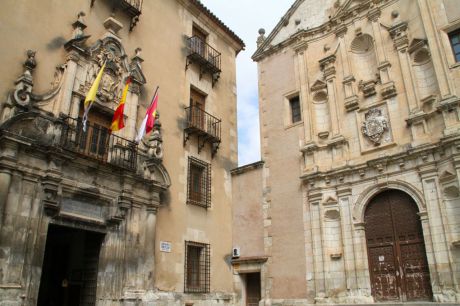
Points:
(396, 250)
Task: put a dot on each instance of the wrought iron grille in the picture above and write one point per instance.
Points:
(199, 183)
(204, 54)
(197, 270)
(98, 143)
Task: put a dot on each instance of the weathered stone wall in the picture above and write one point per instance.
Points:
(378, 89)
(34, 183)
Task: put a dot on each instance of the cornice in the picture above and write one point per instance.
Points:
(425, 165)
(336, 25)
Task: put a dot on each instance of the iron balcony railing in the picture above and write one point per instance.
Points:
(202, 123)
(208, 57)
(98, 143)
(134, 7)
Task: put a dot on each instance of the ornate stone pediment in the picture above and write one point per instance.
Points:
(110, 51)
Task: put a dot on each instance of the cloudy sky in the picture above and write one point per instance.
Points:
(245, 18)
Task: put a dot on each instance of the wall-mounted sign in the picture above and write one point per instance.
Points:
(165, 246)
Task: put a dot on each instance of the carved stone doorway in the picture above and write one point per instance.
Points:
(396, 250)
(69, 271)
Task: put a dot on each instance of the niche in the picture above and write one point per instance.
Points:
(365, 63)
(423, 69)
(321, 109)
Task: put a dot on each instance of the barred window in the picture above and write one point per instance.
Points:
(294, 103)
(197, 272)
(199, 183)
(454, 38)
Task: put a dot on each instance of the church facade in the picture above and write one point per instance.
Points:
(359, 196)
(92, 217)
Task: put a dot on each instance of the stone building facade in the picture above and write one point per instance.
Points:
(359, 118)
(92, 217)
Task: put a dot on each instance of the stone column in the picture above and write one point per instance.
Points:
(132, 100)
(344, 195)
(318, 254)
(351, 99)
(401, 43)
(442, 262)
(327, 65)
(301, 55)
(8, 156)
(445, 83)
(148, 269)
(5, 181)
(65, 98)
(361, 261)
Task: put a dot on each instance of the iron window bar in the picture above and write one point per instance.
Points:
(132, 7)
(197, 267)
(198, 183)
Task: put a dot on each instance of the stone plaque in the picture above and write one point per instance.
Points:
(82, 209)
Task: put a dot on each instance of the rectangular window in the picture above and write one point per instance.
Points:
(197, 270)
(294, 104)
(199, 183)
(197, 109)
(199, 41)
(454, 38)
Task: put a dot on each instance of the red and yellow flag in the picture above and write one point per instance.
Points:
(117, 121)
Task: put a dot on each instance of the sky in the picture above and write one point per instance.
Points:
(245, 18)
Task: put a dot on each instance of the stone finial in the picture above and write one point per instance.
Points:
(261, 38)
(113, 25)
(30, 62)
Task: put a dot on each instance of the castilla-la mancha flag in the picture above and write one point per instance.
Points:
(118, 117)
(149, 120)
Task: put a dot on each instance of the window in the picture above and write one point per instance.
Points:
(454, 38)
(197, 109)
(199, 183)
(197, 267)
(199, 41)
(294, 103)
(95, 140)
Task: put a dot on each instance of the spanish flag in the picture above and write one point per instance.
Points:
(149, 119)
(91, 96)
(117, 121)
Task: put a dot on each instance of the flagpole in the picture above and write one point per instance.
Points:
(156, 90)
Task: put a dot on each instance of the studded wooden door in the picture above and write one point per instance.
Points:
(396, 250)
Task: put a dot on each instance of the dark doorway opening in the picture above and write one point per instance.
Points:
(69, 272)
(396, 249)
(253, 289)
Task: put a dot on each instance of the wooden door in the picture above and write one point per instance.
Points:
(253, 295)
(197, 111)
(396, 250)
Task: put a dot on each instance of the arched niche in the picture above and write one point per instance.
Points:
(423, 68)
(364, 57)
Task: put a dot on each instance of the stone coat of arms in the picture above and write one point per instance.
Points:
(375, 125)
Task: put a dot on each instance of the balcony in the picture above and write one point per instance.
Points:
(205, 126)
(132, 8)
(208, 58)
(97, 143)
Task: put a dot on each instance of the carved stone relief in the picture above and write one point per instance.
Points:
(375, 125)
